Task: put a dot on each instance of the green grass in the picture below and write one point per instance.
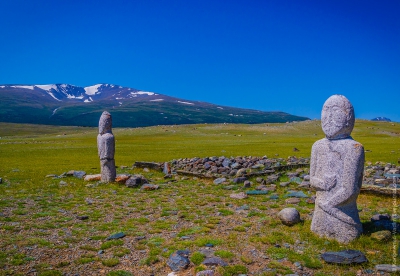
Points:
(39, 215)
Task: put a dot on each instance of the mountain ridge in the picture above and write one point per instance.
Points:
(66, 104)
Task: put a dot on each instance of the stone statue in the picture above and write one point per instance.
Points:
(106, 148)
(336, 172)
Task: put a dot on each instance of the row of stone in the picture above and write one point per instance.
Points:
(232, 166)
(382, 175)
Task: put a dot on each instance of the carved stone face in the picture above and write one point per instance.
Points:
(337, 117)
(105, 123)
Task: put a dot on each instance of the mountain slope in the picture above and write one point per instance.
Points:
(64, 104)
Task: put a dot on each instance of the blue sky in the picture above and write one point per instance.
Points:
(266, 55)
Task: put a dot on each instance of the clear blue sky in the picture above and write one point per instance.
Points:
(259, 54)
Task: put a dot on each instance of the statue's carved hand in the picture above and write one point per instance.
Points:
(329, 181)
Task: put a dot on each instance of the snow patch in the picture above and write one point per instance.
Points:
(185, 103)
(157, 100)
(92, 90)
(143, 93)
(31, 87)
(2, 86)
(47, 87)
(219, 107)
(88, 100)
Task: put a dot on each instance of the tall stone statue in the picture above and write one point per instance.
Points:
(336, 172)
(106, 148)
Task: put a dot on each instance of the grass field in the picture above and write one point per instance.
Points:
(38, 215)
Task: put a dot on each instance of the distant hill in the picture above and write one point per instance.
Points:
(65, 104)
(384, 119)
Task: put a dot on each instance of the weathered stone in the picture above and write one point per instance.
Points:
(63, 183)
(92, 177)
(136, 180)
(240, 195)
(122, 178)
(167, 168)
(79, 174)
(219, 180)
(387, 268)
(289, 216)
(214, 261)
(149, 187)
(344, 257)
(115, 236)
(383, 235)
(106, 148)
(284, 184)
(82, 217)
(241, 172)
(296, 180)
(177, 262)
(336, 170)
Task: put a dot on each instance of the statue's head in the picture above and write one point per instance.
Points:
(105, 123)
(337, 117)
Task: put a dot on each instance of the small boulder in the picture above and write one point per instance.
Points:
(214, 261)
(344, 257)
(240, 195)
(115, 236)
(92, 177)
(136, 181)
(387, 268)
(239, 179)
(178, 262)
(79, 174)
(149, 187)
(205, 273)
(219, 180)
(247, 184)
(292, 200)
(289, 216)
(122, 178)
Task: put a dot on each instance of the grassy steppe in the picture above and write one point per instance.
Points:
(38, 215)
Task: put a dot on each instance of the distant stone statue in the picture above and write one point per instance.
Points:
(106, 148)
(336, 172)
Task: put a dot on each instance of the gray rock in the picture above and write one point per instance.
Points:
(79, 174)
(239, 179)
(247, 184)
(205, 273)
(284, 184)
(149, 187)
(63, 183)
(336, 172)
(226, 162)
(136, 180)
(344, 257)
(219, 180)
(293, 200)
(256, 192)
(116, 236)
(289, 216)
(299, 194)
(296, 180)
(82, 217)
(214, 261)
(383, 235)
(240, 195)
(241, 172)
(387, 268)
(178, 262)
(106, 148)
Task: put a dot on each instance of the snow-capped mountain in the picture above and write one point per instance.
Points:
(64, 92)
(66, 104)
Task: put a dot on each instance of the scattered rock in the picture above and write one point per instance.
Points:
(241, 179)
(296, 194)
(92, 177)
(149, 187)
(387, 268)
(122, 178)
(51, 175)
(82, 217)
(178, 262)
(289, 216)
(247, 184)
(205, 273)
(284, 184)
(240, 195)
(136, 181)
(63, 183)
(344, 257)
(383, 235)
(219, 180)
(293, 200)
(213, 261)
(255, 192)
(89, 201)
(116, 236)
(79, 174)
